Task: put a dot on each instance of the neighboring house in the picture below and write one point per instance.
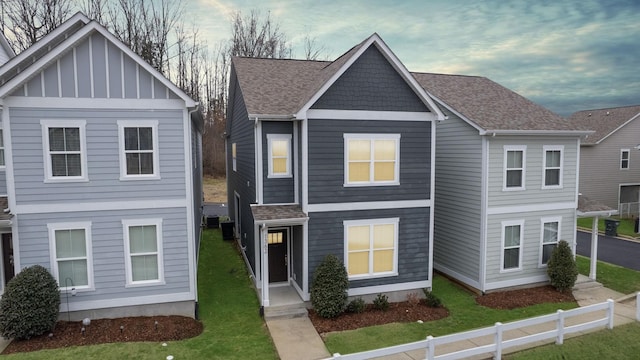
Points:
(332, 158)
(610, 158)
(506, 183)
(101, 175)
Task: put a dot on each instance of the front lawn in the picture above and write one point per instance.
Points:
(614, 277)
(626, 227)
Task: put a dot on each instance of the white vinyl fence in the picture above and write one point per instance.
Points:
(499, 344)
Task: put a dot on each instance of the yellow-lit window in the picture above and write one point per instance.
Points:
(233, 156)
(279, 155)
(274, 238)
(371, 159)
(371, 247)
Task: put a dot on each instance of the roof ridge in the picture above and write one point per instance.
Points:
(608, 108)
(441, 74)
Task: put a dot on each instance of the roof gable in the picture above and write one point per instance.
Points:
(604, 122)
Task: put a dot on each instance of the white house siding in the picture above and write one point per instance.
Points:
(458, 188)
(600, 173)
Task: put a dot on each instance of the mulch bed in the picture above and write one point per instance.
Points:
(524, 297)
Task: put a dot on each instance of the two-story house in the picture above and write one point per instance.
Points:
(332, 158)
(101, 175)
(506, 183)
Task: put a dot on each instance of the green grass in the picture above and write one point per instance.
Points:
(614, 277)
(465, 314)
(626, 227)
(229, 307)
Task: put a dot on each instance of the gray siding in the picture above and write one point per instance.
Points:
(326, 161)
(297, 255)
(276, 190)
(108, 249)
(326, 236)
(600, 173)
(102, 157)
(371, 83)
(458, 189)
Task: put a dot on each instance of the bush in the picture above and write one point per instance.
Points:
(381, 302)
(30, 304)
(329, 287)
(413, 299)
(562, 268)
(356, 306)
(430, 299)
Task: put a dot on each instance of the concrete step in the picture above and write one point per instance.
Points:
(285, 311)
(586, 284)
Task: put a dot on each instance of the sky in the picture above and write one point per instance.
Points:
(565, 55)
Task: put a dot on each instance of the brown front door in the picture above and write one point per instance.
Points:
(278, 262)
(7, 257)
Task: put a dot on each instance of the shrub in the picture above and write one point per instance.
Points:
(329, 287)
(562, 268)
(356, 306)
(430, 299)
(381, 302)
(30, 304)
(413, 299)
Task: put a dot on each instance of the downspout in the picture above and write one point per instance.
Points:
(195, 252)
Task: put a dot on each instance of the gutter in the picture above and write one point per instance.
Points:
(537, 132)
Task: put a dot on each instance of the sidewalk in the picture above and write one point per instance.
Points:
(297, 339)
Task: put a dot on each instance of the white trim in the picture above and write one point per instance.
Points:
(365, 290)
(628, 159)
(432, 192)
(305, 166)
(237, 207)
(546, 148)
(96, 103)
(153, 124)
(84, 225)
(279, 137)
(369, 205)
(259, 183)
(48, 170)
(75, 75)
(3, 163)
(192, 228)
(42, 87)
(126, 224)
(506, 150)
(484, 213)
(127, 301)
(122, 82)
(456, 275)
(371, 115)
(531, 208)
(305, 260)
(371, 138)
(59, 78)
(371, 223)
(106, 61)
(137, 81)
(517, 282)
(543, 221)
(98, 206)
(296, 170)
(91, 83)
(503, 226)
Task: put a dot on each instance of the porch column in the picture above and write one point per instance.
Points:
(594, 248)
(264, 255)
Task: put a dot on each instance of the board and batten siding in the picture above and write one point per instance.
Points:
(326, 236)
(107, 241)
(326, 161)
(103, 163)
(533, 193)
(458, 202)
(276, 190)
(600, 173)
(95, 68)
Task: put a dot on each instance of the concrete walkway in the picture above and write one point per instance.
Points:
(297, 339)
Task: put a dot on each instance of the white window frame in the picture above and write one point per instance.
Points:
(86, 226)
(371, 222)
(126, 223)
(543, 221)
(628, 159)
(506, 150)
(153, 124)
(234, 154)
(546, 148)
(48, 168)
(504, 225)
(279, 137)
(372, 138)
(3, 163)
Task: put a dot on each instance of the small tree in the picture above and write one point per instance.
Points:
(30, 304)
(329, 287)
(562, 268)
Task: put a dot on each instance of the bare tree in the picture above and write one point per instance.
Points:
(256, 37)
(94, 9)
(25, 21)
(312, 50)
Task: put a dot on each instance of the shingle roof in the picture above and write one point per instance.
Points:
(277, 212)
(490, 105)
(603, 121)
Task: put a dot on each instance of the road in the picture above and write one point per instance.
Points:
(612, 250)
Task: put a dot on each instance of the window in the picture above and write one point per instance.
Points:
(279, 155)
(550, 231)
(65, 156)
(1, 149)
(143, 252)
(552, 167)
(371, 159)
(138, 149)
(371, 247)
(70, 249)
(233, 156)
(511, 244)
(624, 159)
(514, 166)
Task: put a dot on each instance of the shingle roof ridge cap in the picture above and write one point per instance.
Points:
(443, 74)
(285, 59)
(606, 108)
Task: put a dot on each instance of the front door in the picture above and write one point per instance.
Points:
(278, 260)
(7, 257)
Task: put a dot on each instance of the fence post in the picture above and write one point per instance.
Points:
(560, 328)
(638, 306)
(431, 348)
(498, 341)
(610, 313)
